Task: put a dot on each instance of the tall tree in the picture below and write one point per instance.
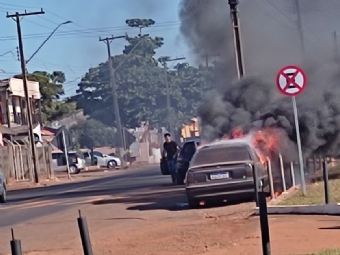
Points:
(91, 133)
(51, 88)
(141, 87)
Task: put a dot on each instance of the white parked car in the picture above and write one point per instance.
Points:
(75, 160)
(103, 160)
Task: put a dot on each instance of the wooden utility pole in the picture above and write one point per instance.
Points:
(168, 102)
(237, 37)
(299, 25)
(17, 18)
(121, 144)
(336, 51)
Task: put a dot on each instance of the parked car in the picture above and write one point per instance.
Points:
(224, 171)
(3, 197)
(75, 159)
(103, 160)
(183, 159)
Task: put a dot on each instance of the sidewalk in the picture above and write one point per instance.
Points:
(61, 178)
(291, 235)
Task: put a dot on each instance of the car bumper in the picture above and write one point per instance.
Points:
(229, 191)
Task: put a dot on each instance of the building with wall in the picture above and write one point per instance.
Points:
(13, 108)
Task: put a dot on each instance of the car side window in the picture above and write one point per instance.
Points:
(98, 154)
(55, 156)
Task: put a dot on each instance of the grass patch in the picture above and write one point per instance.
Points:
(328, 252)
(315, 195)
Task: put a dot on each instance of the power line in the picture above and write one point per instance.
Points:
(92, 31)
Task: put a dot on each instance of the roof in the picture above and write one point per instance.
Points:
(228, 143)
(6, 130)
(22, 129)
(46, 132)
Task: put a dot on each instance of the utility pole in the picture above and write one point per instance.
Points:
(237, 37)
(121, 144)
(299, 25)
(336, 51)
(164, 61)
(206, 56)
(17, 18)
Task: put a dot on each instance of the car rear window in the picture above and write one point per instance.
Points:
(211, 155)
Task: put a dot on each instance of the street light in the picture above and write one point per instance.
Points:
(64, 23)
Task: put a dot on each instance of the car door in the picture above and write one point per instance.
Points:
(101, 161)
(87, 158)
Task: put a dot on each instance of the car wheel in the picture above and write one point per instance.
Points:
(111, 164)
(3, 197)
(74, 169)
(193, 203)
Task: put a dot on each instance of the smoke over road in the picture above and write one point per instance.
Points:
(270, 41)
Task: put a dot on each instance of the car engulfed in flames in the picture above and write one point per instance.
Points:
(262, 144)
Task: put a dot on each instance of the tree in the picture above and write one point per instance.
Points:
(92, 133)
(141, 88)
(51, 88)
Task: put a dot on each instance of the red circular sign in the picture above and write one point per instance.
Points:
(291, 80)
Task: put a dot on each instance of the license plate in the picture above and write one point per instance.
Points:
(219, 176)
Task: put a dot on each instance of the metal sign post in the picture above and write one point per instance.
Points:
(291, 81)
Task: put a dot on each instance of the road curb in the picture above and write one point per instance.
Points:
(329, 209)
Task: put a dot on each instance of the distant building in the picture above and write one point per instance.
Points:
(13, 109)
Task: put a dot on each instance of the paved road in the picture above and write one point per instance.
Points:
(28, 204)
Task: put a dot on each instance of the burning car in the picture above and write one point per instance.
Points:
(225, 171)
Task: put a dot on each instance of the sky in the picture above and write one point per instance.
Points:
(75, 47)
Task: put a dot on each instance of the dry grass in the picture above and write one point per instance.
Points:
(328, 252)
(315, 195)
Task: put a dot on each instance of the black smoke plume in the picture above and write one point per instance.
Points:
(270, 41)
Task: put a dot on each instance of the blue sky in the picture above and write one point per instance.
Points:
(75, 47)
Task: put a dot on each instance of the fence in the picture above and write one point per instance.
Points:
(16, 161)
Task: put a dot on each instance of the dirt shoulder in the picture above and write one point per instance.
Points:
(114, 229)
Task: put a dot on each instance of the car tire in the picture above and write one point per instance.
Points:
(3, 197)
(193, 203)
(111, 164)
(74, 169)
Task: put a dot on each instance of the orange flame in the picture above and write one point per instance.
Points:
(237, 133)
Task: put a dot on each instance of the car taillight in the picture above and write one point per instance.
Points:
(190, 178)
(249, 170)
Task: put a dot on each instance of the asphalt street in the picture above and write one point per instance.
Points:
(26, 204)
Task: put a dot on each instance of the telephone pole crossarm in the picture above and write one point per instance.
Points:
(24, 14)
(16, 17)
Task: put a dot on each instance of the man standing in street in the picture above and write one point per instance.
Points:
(170, 148)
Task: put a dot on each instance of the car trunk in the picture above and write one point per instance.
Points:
(223, 173)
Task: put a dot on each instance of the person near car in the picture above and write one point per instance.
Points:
(170, 150)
